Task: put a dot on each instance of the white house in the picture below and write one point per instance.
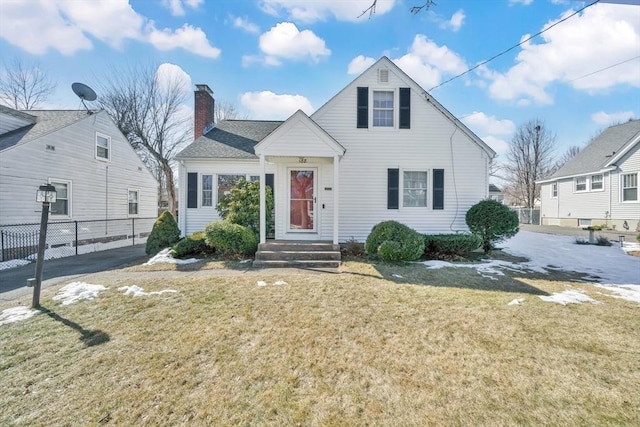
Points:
(96, 172)
(380, 149)
(599, 186)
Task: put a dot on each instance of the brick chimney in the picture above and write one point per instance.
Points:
(204, 115)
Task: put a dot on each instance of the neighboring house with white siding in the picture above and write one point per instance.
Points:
(96, 172)
(599, 186)
(380, 149)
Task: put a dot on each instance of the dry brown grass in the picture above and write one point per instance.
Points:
(356, 348)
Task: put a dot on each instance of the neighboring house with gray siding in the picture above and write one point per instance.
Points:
(380, 149)
(96, 172)
(599, 186)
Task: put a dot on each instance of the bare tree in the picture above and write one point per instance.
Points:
(226, 110)
(568, 155)
(530, 158)
(149, 112)
(24, 86)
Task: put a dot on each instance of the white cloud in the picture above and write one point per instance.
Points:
(177, 6)
(246, 25)
(359, 64)
(268, 105)
(172, 75)
(603, 118)
(500, 146)
(320, 10)
(456, 21)
(426, 62)
(603, 35)
(65, 26)
(481, 123)
(287, 42)
(187, 37)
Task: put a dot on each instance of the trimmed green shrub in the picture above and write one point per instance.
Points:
(390, 250)
(165, 233)
(411, 242)
(242, 205)
(193, 244)
(450, 245)
(492, 222)
(231, 239)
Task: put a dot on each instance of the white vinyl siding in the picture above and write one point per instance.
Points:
(103, 147)
(383, 108)
(414, 189)
(630, 187)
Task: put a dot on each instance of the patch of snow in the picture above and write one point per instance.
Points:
(517, 301)
(280, 283)
(13, 263)
(630, 246)
(276, 283)
(244, 261)
(76, 291)
(261, 283)
(570, 296)
(137, 291)
(397, 275)
(627, 292)
(165, 256)
(16, 314)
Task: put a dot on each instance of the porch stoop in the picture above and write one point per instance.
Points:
(286, 253)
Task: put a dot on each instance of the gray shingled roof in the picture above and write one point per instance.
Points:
(600, 150)
(230, 139)
(47, 121)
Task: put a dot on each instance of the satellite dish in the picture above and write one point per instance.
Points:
(84, 92)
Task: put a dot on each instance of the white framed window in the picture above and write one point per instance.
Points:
(597, 182)
(580, 184)
(383, 108)
(584, 222)
(414, 189)
(554, 190)
(207, 190)
(630, 187)
(254, 178)
(62, 205)
(103, 147)
(226, 183)
(134, 202)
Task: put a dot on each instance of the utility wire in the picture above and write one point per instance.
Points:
(514, 46)
(604, 69)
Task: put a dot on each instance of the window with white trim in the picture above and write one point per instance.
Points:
(581, 184)
(62, 205)
(133, 202)
(254, 178)
(207, 190)
(597, 182)
(554, 190)
(226, 183)
(382, 108)
(103, 147)
(414, 190)
(630, 187)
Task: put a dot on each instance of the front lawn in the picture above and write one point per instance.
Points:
(372, 345)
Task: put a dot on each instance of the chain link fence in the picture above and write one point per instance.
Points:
(68, 238)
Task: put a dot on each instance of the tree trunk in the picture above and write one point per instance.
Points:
(170, 187)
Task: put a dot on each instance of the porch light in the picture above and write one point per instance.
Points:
(46, 194)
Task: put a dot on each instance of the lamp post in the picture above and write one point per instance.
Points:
(46, 195)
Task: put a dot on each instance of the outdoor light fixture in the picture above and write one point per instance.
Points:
(46, 195)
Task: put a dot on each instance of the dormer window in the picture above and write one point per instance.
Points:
(103, 147)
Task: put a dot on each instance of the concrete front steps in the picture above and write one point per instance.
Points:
(300, 254)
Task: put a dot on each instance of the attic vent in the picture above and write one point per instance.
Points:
(139, 168)
(51, 147)
(383, 75)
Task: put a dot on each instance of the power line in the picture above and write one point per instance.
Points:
(514, 46)
(604, 69)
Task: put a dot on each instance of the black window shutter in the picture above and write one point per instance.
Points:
(268, 180)
(405, 108)
(363, 107)
(438, 189)
(393, 184)
(192, 190)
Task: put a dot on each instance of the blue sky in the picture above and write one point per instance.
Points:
(271, 57)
